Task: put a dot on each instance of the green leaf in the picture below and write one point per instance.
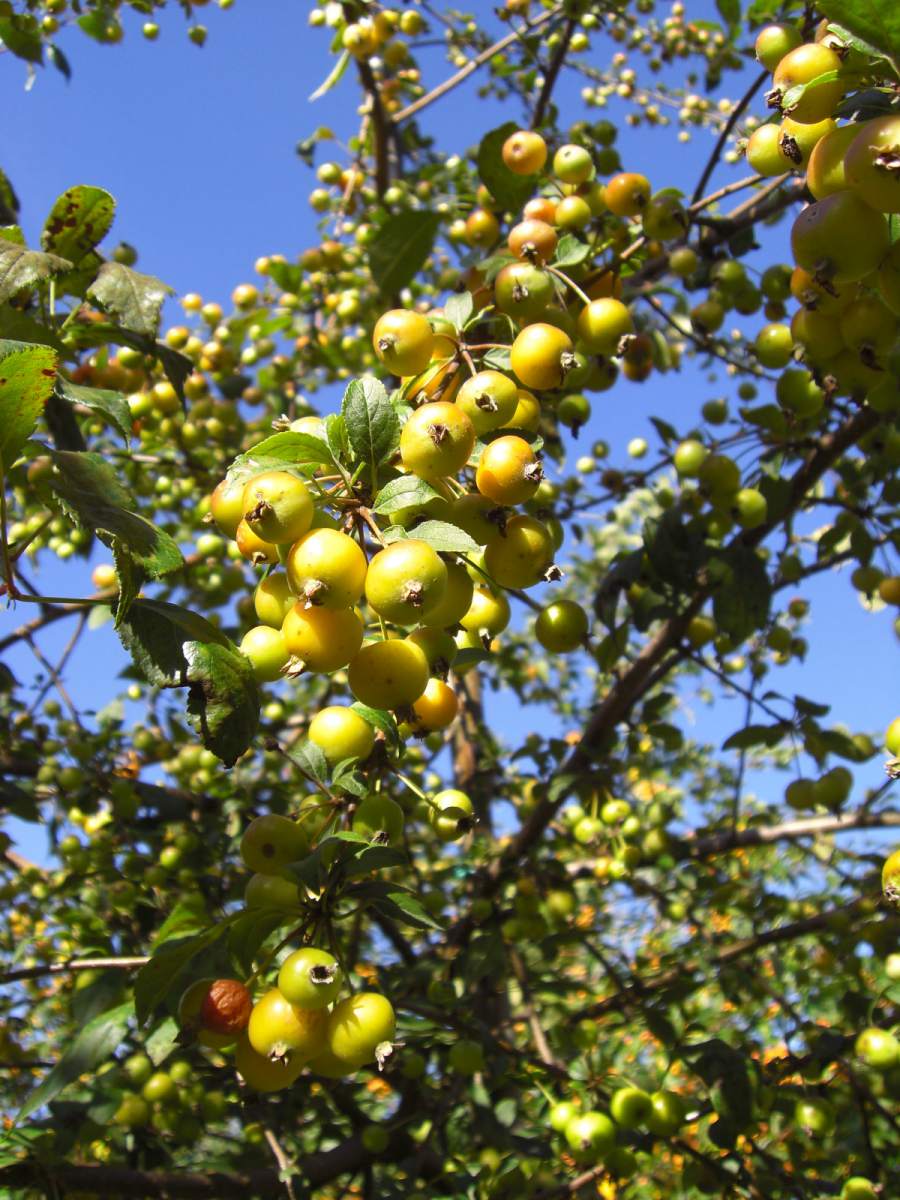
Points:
(498, 358)
(336, 436)
(27, 375)
(17, 802)
(491, 267)
(508, 189)
(877, 22)
(155, 978)
(407, 491)
(310, 759)
(176, 365)
(20, 34)
(9, 201)
(154, 633)
(94, 497)
(101, 25)
(174, 647)
(851, 40)
(188, 916)
(724, 1071)
(129, 576)
(111, 405)
(292, 447)
(250, 931)
(19, 326)
(570, 251)
(134, 298)
(675, 551)
(756, 735)
(162, 1041)
(59, 60)
(839, 743)
(286, 275)
(730, 12)
(741, 601)
(469, 656)
(407, 909)
(400, 247)
(794, 95)
(379, 719)
(375, 858)
(223, 700)
(334, 76)
(21, 268)
(373, 428)
(345, 778)
(444, 537)
(458, 309)
(92, 1046)
(79, 220)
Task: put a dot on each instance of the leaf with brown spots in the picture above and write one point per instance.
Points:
(134, 298)
(27, 377)
(21, 268)
(79, 220)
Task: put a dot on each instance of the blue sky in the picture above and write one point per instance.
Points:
(198, 148)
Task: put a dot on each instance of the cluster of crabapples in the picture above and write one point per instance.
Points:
(591, 1134)
(847, 274)
(299, 1023)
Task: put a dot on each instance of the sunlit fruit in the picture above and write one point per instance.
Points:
(508, 471)
(541, 355)
(488, 399)
(451, 814)
(627, 194)
(561, 626)
(323, 639)
(328, 568)
(603, 323)
(361, 1029)
(277, 506)
(437, 440)
(263, 1074)
(341, 733)
(405, 581)
(380, 817)
(437, 707)
(839, 238)
(872, 164)
(524, 152)
(804, 66)
(267, 651)
(271, 842)
(279, 1029)
(389, 674)
(403, 341)
(520, 556)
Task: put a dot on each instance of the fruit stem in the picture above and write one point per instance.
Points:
(416, 790)
(582, 296)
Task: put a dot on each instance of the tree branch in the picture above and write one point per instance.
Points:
(729, 125)
(75, 964)
(380, 127)
(693, 846)
(638, 991)
(464, 72)
(552, 73)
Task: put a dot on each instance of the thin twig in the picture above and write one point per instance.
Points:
(729, 125)
(75, 964)
(552, 73)
(464, 72)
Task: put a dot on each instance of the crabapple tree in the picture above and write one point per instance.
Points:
(401, 861)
